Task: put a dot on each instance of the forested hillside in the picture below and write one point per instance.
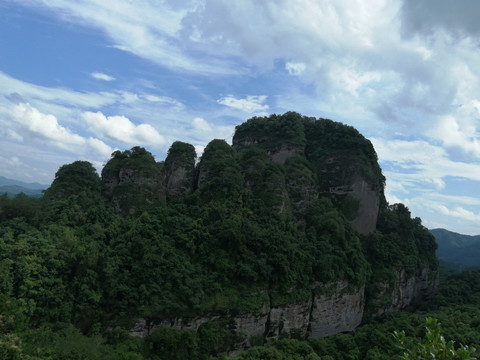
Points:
(284, 234)
(15, 187)
(457, 250)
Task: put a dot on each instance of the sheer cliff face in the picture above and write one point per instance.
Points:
(357, 190)
(331, 308)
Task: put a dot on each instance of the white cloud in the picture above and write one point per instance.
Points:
(199, 149)
(421, 162)
(35, 144)
(200, 124)
(422, 176)
(452, 134)
(100, 147)
(45, 126)
(58, 100)
(461, 213)
(102, 76)
(164, 100)
(200, 132)
(120, 128)
(295, 68)
(149, 29)
(251, 104)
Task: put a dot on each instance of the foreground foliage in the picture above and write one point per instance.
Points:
(434, 346)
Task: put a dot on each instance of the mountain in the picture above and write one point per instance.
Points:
(14, 187)
(460, 251)
(319, 179)
(284, 233)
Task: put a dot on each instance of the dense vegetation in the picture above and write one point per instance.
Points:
(230, 235)
(457, 250)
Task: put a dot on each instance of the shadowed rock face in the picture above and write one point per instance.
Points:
(179, 169)
(365, 218)
(284, 152)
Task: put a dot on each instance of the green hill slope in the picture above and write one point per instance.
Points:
(459, 250)
(14, 187)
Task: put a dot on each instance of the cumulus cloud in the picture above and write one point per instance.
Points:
(422, 176)
(452, 134)
(202, 131)
(27, 125)
(120, 128)
(102, 76)
(201, 124)
(251, 104)
(45, 126)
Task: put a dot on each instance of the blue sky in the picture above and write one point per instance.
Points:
(79, 79)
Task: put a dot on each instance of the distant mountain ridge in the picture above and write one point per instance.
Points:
(14, 187)
(457, 249)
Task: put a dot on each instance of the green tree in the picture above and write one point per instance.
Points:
(434, 346)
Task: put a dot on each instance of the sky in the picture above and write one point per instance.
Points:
(81, 79)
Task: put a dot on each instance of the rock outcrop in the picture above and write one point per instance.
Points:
(404, 290)
(288, 319)
(334, 307)
(338, 312)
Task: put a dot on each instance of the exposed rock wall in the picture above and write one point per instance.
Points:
(338, 307)
(405, 290)
(365, 219)
(143, 328)
(339, 310)
(285, 319)
(281, 154)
